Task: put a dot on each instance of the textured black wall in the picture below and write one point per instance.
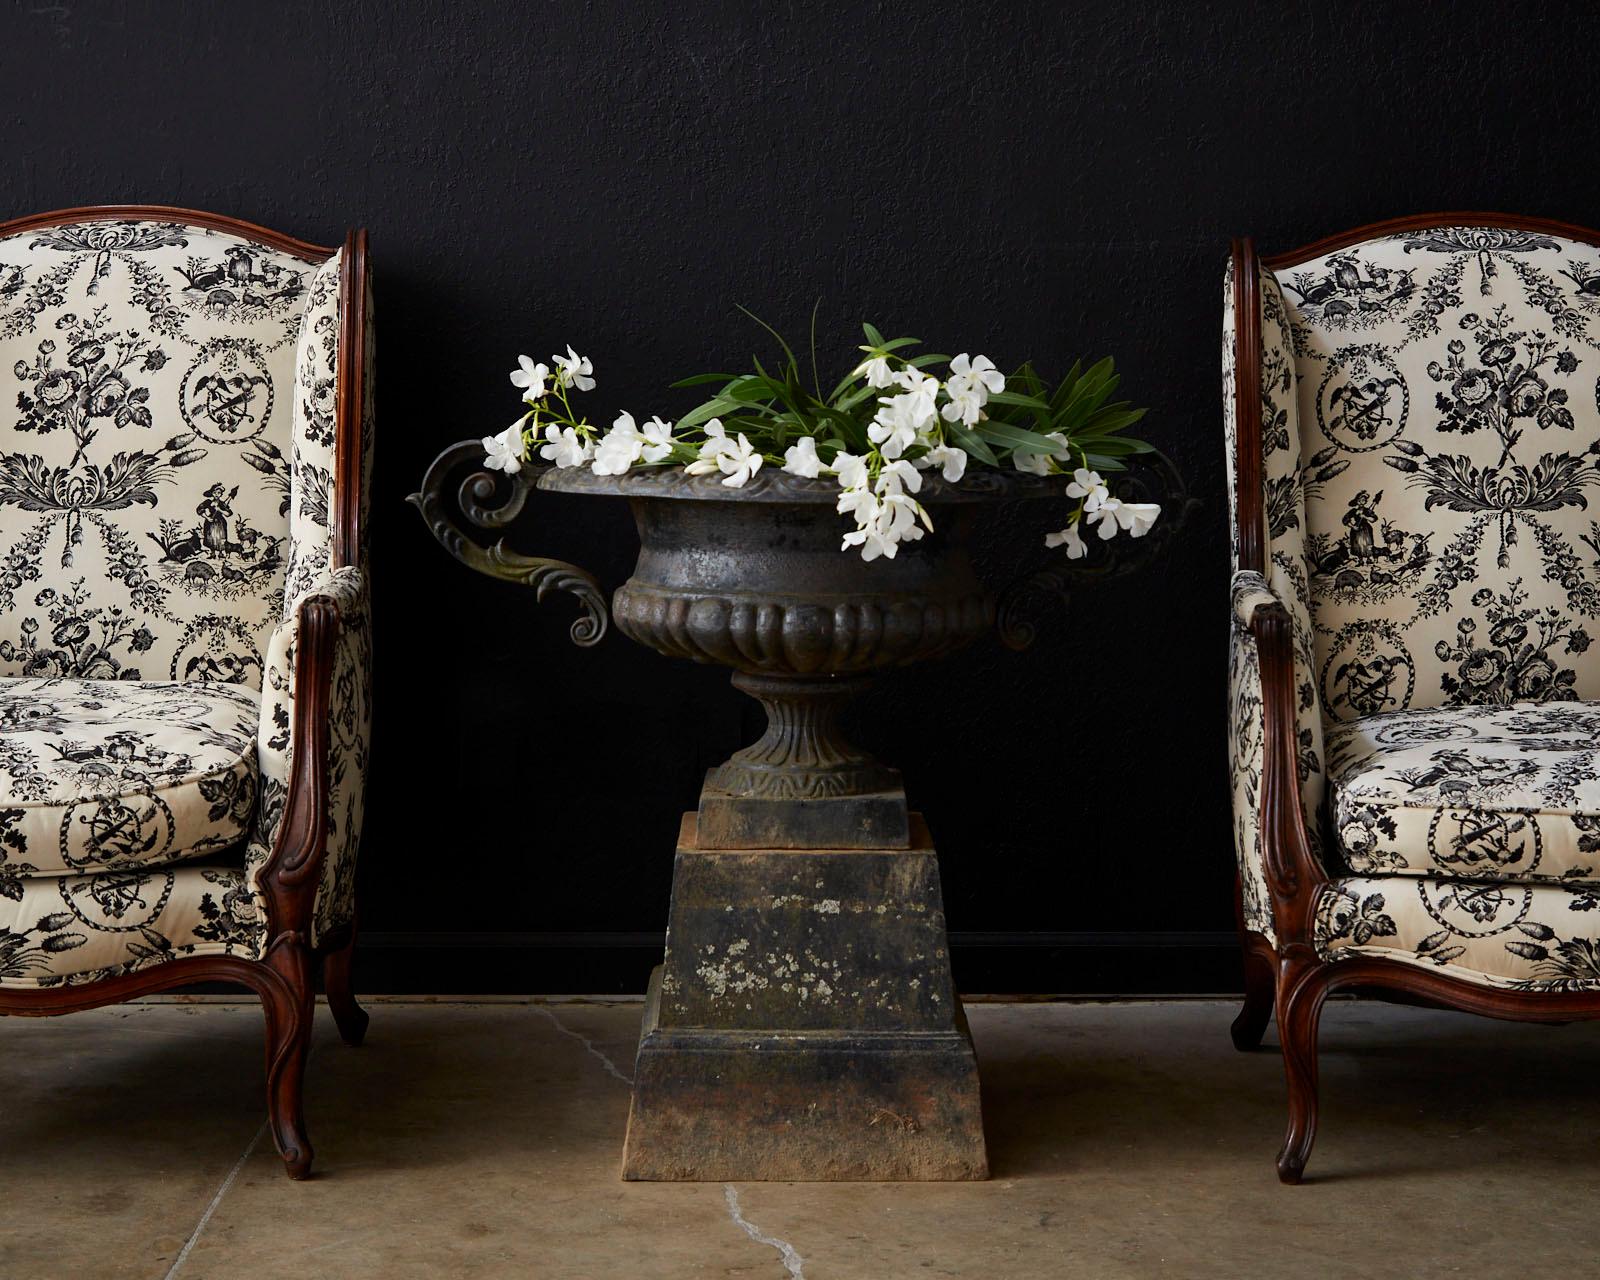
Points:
(1029, 180)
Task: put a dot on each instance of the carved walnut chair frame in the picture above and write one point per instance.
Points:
(284, 977)
(1293, 980)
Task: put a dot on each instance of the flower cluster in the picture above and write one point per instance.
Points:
(886, 424)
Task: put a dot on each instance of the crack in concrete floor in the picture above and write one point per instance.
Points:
(793, 1263)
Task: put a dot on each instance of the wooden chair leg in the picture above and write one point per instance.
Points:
(1260, 986)
(289, 1009)
(1301, 993)
(338, 982)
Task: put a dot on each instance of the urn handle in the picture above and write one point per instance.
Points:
(1023, 602)
(474, 502)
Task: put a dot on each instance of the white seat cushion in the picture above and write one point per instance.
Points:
(113, 774)
(1479, 793)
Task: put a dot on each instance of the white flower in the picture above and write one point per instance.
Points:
(566, 448)
(1135, 517)
(970, 385)
(898, 516)
(658, 435)
(954, 461)
(504, 451)
(872, 543)
(1089, 486)
(976, 373)
(740, 463)
(851, 470)
(1036, 464)
(965, 404)
(897, 477)
(573, 370)
(800, 458)
(619, 448)
(716, 444)
(898, 422)
(1077, 548)
(530, 377)
(877, 371)
(859, 502)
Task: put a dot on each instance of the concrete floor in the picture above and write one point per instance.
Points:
(482, 1140)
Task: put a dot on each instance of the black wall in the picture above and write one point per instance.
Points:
(1029, 180)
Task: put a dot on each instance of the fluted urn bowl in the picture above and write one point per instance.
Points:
(755, 578)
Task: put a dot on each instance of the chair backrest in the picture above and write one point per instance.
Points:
(1434, 467)
(167, 371)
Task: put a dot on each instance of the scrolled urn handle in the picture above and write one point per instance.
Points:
(475, 502)
(1023, 601)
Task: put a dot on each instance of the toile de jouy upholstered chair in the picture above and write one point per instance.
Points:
(185, 440)
(1414, 709)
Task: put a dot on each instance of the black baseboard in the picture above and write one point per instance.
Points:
(1058, 963)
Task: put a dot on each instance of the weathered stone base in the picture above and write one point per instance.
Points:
(803, 1026)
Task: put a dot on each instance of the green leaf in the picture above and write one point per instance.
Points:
(1068, 385)
(776, 335)
(752, 387)
(1108, 421)
(700, 379)
(971, 442)
(1017, 398)
(1017, 439)
(873, 336)
(710, 409)
(1099, 462)
(1116, 446)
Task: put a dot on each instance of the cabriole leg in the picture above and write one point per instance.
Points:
(289, 1007)
(1260, 985)
(337, 981)
(1301, 992)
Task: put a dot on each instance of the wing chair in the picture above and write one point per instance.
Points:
(184, 639)
(1414, 706)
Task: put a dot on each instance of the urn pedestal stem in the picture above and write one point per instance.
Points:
(803, 785)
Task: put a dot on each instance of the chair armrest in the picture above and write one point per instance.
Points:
(1292, 870)
(1252, 594)
(312, 753)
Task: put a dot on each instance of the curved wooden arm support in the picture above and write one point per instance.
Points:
(292, 871)
(1294, 875)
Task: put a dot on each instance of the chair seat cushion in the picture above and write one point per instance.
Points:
(71, 929)
(112, 774)
(1529, 937)
(1480, 793)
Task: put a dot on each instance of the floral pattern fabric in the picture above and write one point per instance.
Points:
(73, 929)
(116, 774)
(1525, 937)
(1483, 792)
(145, 473)
(1450, 463)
